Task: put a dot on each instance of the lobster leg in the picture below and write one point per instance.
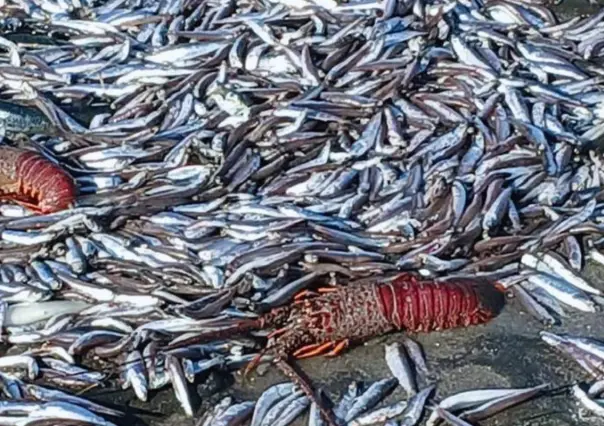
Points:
(305, 294)
(30, 206)
(312, 350)
(339, 348)
(325, 290)
(22, 201)
(303, 383)
(277, 332)
(254, 363)
(318, 349)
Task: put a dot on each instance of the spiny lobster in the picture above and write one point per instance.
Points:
(333, 319)
(34, 182)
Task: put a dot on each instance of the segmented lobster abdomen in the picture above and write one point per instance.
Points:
(51, 187)
(421, 306)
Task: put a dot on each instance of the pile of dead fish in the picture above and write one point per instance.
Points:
(238, 152)
(282, 403)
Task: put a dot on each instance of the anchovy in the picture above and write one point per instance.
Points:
(380, 415)
(135, 374)
(415, 407)
(347, 400)
(586, 401)
(66, 412)
(496, 405)
(293, 410)
(533, 307)
(552, 264)
(397, 361)
(278, 410)
(43, 394)
(450, 418)
(235, 414)
(467, 399)
(563, 292)
(370, 398)
(179, 382)
(268, 398)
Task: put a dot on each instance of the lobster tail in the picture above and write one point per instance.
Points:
(34, 182)
(50, 185)
(491, 298)
(423, 306)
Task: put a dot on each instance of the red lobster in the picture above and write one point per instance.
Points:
(340, 316)
(34, 182)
